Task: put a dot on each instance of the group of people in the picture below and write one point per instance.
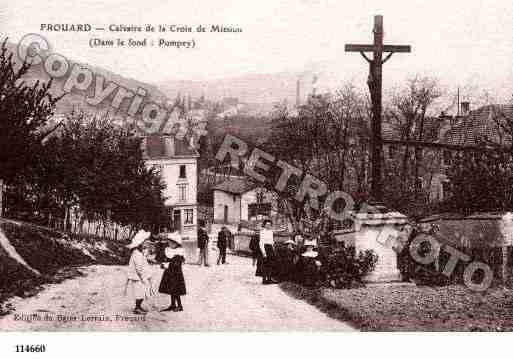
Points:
(292, 260)
(170, 255)
(139, 276)
(224, 239)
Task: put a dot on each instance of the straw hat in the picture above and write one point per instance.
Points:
(175, 237)
(170, 252)
(139, 238)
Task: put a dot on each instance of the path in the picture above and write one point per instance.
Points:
(225, 297)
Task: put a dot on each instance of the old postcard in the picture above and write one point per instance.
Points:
(242, 166)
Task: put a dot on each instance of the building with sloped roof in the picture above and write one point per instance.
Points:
(473, 129)
(177, 162)
(238, 199)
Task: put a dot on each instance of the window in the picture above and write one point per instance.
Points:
(182, 171)
(447, 157)
(189, 216)
(182, 192)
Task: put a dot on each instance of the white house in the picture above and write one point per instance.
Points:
(237, 199)
(177, 163)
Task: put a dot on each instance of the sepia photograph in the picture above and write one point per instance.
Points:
(273, 166)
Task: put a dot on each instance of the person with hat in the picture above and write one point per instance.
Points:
(173, 281)
(287, 260)
(308, 266)
(139, 272)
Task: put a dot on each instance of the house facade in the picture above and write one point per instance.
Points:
(237, 200)
(176, 160)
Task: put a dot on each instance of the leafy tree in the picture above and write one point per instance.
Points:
(24, 110)
(327, 139)
(98, 168)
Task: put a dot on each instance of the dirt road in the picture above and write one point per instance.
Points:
(225, 297)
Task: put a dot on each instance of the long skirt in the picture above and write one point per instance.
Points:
(266, 265)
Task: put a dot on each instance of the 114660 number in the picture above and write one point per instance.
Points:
(39, 348)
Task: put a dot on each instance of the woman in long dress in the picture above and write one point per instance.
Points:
(266, 257)
(173, 281)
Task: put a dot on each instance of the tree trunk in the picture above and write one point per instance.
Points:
(66, 219)
(504, 264)
(1, 198)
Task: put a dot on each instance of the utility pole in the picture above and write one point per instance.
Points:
(376, 88)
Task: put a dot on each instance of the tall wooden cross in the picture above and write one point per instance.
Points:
(375, 88)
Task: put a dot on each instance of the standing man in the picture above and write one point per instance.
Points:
(222, 243)
(202, 244)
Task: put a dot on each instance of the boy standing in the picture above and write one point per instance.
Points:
(222, 243)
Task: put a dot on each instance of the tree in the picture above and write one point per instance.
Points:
(24, 110)
(97, 168)
(407, 116)
(326, 138)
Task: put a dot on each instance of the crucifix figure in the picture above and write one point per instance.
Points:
(375, 88)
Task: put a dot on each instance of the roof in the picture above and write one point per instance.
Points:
(235, 186)
(162, 147)
(476, 231)
(479, 126)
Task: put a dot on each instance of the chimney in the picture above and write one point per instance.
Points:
(298, 101)
(314, 85)
(465, 108)
(169, 145)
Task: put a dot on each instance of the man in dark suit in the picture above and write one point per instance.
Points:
(222, 243)
(202, 244)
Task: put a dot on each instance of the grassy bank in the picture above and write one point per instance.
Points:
(411, 308)
(54, 255)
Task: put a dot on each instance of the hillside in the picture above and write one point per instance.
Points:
(74, 100)
(31, 256)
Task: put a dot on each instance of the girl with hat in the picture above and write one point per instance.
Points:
(173, 281)
(287, 260)
(139, 272)
(309, 265)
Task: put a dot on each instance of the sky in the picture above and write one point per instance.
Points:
(463, 43)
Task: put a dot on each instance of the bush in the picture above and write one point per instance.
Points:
(419, 273)
(343, 267)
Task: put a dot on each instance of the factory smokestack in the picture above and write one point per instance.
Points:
(298, 94)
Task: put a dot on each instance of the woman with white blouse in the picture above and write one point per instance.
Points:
(266, 257)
